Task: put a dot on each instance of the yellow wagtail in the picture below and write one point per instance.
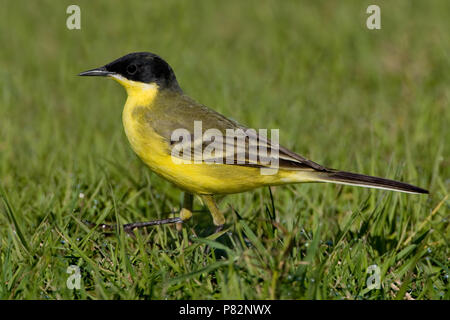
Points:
(156, 107)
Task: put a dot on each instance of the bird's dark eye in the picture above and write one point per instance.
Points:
(131, 69)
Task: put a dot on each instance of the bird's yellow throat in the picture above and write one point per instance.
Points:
(143, 139)
(139, 93)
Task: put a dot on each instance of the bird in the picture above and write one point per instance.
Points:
(157, 107)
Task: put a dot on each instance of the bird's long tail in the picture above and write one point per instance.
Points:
(355, 179)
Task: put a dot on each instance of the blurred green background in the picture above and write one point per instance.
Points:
(371, 101)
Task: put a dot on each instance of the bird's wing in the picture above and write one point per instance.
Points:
(177, 116)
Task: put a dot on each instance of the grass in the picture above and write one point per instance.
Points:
(374, 102)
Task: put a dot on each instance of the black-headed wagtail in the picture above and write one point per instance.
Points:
(156, 107)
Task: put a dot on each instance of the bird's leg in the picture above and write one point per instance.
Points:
(186, 210)
(218, 218)
(129, 227)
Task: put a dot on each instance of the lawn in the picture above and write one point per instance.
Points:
(369, 101)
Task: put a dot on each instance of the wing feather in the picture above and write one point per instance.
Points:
(181, 112)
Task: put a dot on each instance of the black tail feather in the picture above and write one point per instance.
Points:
(369, 181)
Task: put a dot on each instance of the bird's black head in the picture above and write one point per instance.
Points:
(143, 67)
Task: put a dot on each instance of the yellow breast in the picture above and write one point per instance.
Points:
(147, 144)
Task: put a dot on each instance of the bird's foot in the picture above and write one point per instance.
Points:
(219, 228)
(130, 227)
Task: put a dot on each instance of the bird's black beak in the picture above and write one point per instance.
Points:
(101, 72)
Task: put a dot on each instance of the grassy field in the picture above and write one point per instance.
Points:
(370, 101)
